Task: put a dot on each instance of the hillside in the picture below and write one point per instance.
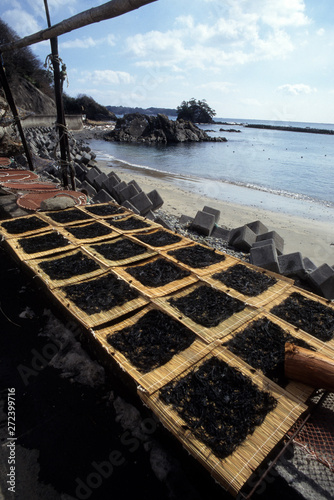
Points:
(124, 110)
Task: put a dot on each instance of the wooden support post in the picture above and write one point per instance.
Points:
(309, 367)
(65, 157)
(13, 108)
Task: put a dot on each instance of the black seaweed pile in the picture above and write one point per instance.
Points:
(220, 405)
(93, 230)
(159, 238)
(245, 280)
(70, 215)
(121, 249)
(197, 256)
(307, 314)
(152, 341)
(160, 272)
(262, 346)
(17, 226)
(68, 266)
(100, 294)
(49, 241)
(128, 224)
(105, 210)
(207, 306)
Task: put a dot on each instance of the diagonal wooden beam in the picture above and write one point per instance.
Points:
(106, 11)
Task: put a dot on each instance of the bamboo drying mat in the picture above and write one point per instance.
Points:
(8, 234)
(263, 298)
(308, 295)
(16, 249)
(80, 214)
(89, 209)
(155, 379)
(200, 271)
(122, 262)
(94, 320)
(207, 334)
(158, 291)
(233, 471)
(297, 389)
(80, 241)
(183, 241)
(112, 221)
(34, 265)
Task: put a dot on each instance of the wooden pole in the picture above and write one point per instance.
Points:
(309, 367)
(106, 11)
(10, 100)
(61, 123)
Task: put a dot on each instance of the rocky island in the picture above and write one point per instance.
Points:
(135, 127)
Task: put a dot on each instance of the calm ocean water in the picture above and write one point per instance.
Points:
(277, 170)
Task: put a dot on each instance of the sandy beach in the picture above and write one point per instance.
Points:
(313, 238)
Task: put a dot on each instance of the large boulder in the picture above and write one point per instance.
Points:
(136, 127)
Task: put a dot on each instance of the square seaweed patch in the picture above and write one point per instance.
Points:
(129, 224)
(121, 249)
(152, 341)
(92, 230)
(71, 215)
(23, 225)
(197, 256)
(49, 241)
(245, 280)
(159, 238)
(101, 294)
(309, 315)
(105, 210)
(207, 306)
(220, 405)
(160, 272)
(68, 266)
(262, 345)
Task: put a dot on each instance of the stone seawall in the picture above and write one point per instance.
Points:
(74, 122)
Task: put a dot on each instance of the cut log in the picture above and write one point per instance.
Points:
(309, 367)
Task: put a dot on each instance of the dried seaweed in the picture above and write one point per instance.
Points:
(220, 405)
(207, 306)
(68, 266)
(197, 256)
(160, 272)
(309, 315)
(262, 345)
(159, 238)
(70, 215)
(152, 341)
(100, 294)
(105, 210)
(49, 241)
(128, 224)
(245, 280)
(92, 230)
(118, 250)
(22, 225)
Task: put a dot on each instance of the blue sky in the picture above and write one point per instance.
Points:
(259, 59)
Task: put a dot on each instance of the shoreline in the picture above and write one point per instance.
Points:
(313, 238)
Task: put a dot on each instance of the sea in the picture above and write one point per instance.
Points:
(278, 170)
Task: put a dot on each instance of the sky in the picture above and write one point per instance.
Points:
(249, 59)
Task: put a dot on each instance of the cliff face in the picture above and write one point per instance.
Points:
(29, 98)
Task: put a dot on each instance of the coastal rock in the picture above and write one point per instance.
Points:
(135, 127)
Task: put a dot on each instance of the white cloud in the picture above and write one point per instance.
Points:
(88, 42)
(296, 89)
(249, 31)
(20, 21)
(106, 77)
(225, 87)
